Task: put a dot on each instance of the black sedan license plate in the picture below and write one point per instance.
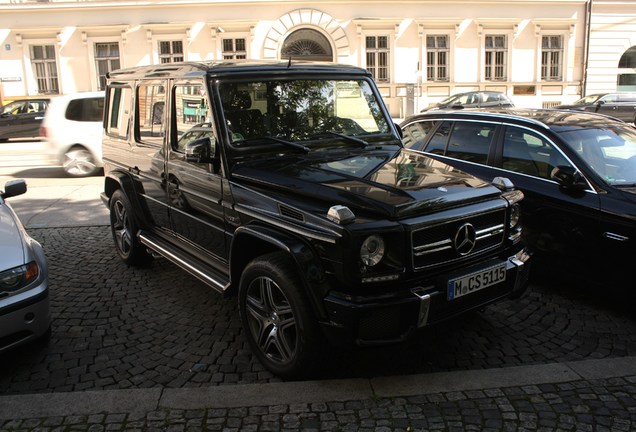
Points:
(476, 281)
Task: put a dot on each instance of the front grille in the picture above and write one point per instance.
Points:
(435, 245)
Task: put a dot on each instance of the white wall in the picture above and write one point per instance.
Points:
(613, 31)
(74, 27)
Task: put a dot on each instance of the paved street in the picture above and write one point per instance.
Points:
(154, 349)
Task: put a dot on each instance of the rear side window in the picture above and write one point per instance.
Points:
(118, 111)
(85, 109)
(415, 134)
(437, 144)
(470, 141)
(151, 112)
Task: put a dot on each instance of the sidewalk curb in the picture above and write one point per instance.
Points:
(247, 395)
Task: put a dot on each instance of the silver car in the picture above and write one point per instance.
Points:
(24, 290)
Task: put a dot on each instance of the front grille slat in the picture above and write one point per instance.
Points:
(434, 245)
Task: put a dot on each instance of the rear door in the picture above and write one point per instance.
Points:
(626, 107)
(147, 155)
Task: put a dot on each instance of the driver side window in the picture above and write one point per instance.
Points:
(529, 153)
(193, 117)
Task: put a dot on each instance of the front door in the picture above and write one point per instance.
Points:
(556, 221)
(195, 188)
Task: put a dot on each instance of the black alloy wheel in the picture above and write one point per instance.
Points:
(124, 230)
(276, 316)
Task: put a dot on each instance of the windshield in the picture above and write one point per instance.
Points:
(588, 100)
(610, 152)
(301, 110)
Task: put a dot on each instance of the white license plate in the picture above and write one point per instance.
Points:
(473, 282)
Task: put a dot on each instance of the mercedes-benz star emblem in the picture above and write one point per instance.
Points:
(465, 239)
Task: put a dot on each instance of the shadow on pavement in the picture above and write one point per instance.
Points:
(41, 172)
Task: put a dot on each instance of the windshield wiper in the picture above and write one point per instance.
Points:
(278, 140)
(352, 139)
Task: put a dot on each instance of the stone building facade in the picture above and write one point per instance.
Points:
(539, 52)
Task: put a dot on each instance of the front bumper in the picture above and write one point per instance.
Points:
(24, 317)
(388, 319)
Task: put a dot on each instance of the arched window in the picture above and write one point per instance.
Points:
(628, 59)
(626, 80)
(307, 44)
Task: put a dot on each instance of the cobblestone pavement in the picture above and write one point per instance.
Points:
(599, 405)
(119, 327)
(124, 328)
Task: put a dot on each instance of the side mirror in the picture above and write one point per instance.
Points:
(569, 178)
(457, 106)
(199, 151)
(14, 188)
(399, 130)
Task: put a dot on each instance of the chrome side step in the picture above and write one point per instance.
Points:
(202, 271)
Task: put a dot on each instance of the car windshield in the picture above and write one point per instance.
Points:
(266, 112)
(449, 99)
(609, 151)
(12, 108)
(588, 100)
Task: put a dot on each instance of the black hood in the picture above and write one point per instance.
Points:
(394, 184)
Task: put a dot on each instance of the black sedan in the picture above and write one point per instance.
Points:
(619, 105)
(22, 118)
(577, 171)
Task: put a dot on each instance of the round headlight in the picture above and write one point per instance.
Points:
(372, 250)
(515, 215)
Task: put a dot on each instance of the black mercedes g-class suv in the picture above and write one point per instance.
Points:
(287, 184)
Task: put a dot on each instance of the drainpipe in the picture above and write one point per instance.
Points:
(586, 50)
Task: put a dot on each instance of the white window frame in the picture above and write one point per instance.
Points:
(172, 55)
(168, 37)
(566, 35)
(391, 48)
(31, 83)
(232, 35)
(562, 57)
(508, 56)
(90, 42)
(449, 63)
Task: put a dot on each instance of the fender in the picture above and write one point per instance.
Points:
(118, 179)
(254, 240)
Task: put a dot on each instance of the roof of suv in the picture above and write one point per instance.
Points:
(545, 118)
(234, 67)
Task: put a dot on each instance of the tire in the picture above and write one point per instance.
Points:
(79, 162)
(124, 229)
(278, 322)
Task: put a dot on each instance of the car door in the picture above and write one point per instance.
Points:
(555, 220)
(147, 154)
(607, 105)
(9, 119)
(626, 107)
(28, 123)
(195, 186)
